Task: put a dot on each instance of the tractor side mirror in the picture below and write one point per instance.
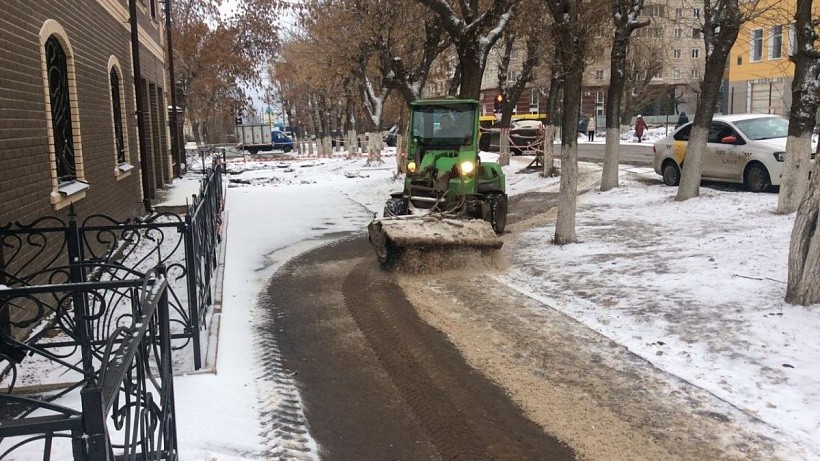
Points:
(729, 140)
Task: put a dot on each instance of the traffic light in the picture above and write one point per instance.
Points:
(498, 103)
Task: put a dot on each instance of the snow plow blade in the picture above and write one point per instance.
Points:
(390, 236)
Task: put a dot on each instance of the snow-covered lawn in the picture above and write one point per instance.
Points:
(695, 288)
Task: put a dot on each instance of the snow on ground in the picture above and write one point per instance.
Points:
(696, 288)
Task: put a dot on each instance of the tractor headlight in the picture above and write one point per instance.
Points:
(411, 167)
(467, 167)
(779, 156)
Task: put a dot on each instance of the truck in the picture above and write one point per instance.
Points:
(255, 137)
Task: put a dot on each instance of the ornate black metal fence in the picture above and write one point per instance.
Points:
(113, 340)
(108, 249)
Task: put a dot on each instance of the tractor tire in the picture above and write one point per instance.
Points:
(498, 212)
(396, 207)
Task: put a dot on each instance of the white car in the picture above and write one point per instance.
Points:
(741, 148)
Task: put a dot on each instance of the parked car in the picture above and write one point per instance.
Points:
(523, 133)
(742, 148)
(191, 147)
(389, 136)
(281, 141)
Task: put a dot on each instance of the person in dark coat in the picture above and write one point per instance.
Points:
(640, 126)
(682, 120)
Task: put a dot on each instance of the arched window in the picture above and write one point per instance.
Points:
(61, 123)
(116, 110)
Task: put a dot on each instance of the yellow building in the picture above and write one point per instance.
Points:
(759, 71)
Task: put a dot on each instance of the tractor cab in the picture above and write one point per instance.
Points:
(444, 170)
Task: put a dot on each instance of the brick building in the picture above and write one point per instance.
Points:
(68, 125)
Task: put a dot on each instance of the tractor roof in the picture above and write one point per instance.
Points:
(443, 101)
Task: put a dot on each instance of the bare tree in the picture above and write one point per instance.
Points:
(571, 48)
(803, 111)
(217, 57)
(473, 32)
(804, 250)
(625, 18)
(721, 24)
(528, 24)
(550, 124)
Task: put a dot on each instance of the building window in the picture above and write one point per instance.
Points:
(656, 10)
(599, 74)
(756, 45)
(696, 33)
(695, 74)
(65, 149)
(534, 96)
(678, 33)
(695, 12)
(62, 128)
(739, 60)
(776, 43)
(792, 40)
(599, 97)
(154, 9)
(695, 53)
(678, 12)
(116, 111)
(676, 53)
(676, 74)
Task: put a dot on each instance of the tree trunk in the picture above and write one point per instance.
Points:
(802, 114)
(692, 165)
(804, 249)
(795, 177)
(471, 72)
(374, 152)
(568, 195)
(719, 37)
(352, 145)
(504, 147)
(549, 152)
(401, 154)
(609, 176)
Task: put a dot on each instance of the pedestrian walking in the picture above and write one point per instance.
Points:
(591, 129)
(640, 126)
(682, 120)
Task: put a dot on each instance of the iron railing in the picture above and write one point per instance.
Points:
(113, 340)
(110, 249)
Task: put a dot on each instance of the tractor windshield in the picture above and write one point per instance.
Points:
(449, 125)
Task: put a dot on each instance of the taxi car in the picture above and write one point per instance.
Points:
(741, 148)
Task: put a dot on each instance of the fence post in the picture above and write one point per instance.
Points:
(94, 423)
(78, 298)
(167, 371)
(191, 266)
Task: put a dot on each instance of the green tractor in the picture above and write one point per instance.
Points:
(450, 198)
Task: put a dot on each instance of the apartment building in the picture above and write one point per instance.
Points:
(665, 68)
(68, 130)
(759, 70)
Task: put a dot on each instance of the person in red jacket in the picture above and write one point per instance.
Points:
(640, 126)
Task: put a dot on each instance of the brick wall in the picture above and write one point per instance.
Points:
(94, 34)
(96, 30)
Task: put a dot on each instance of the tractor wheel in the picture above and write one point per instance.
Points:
(396, 206)
(498, 212)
